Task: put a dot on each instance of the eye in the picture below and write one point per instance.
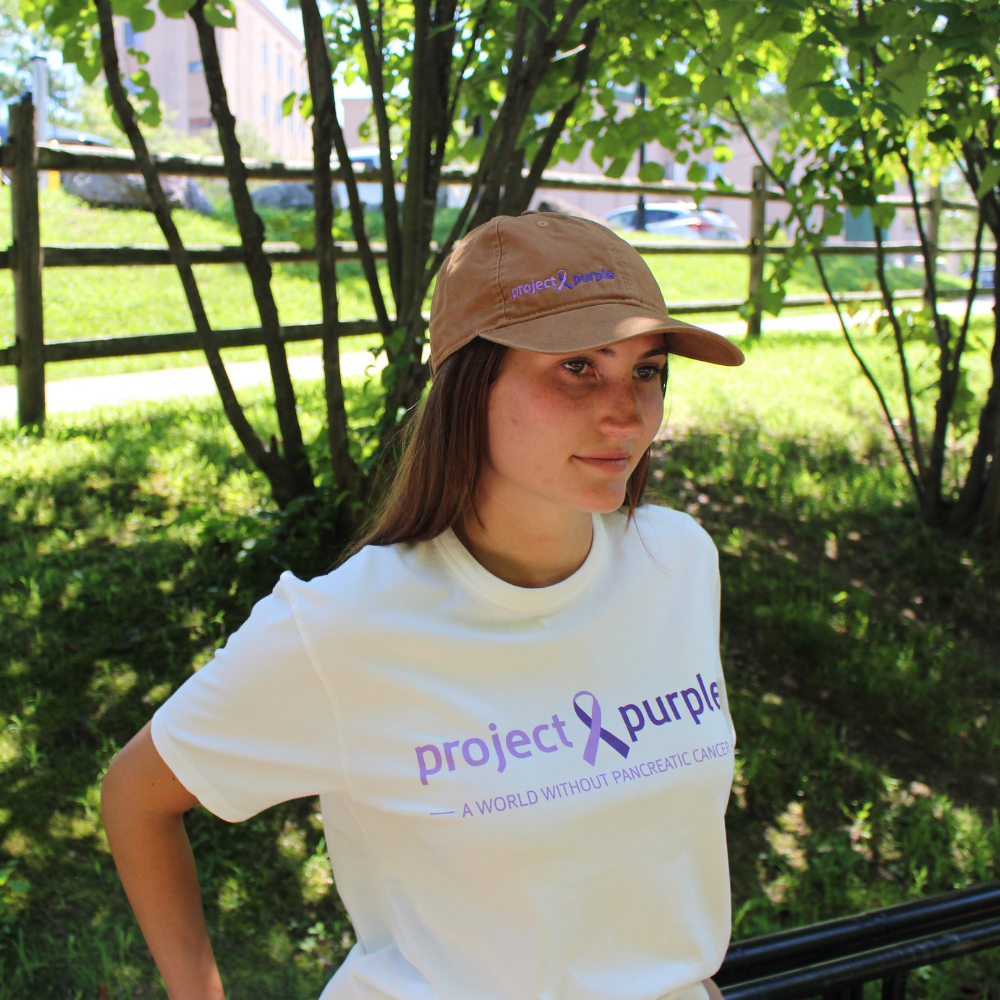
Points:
(577, 366)
(647, 372)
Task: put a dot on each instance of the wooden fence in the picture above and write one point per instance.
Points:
(22, 158)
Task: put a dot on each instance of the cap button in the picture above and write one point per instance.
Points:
(542, 223)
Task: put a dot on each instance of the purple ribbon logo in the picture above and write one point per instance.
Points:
(563, 283)
(596, 732)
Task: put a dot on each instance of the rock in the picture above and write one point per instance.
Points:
(286, 195)
(129, 191)
(550, 203)
(197, 200)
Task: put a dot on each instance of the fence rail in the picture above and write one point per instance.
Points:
(86, 159)
(59, 255)
(835, 958)
(174, 343)
(22, 158)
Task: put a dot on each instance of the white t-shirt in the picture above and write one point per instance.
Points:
(523, 790)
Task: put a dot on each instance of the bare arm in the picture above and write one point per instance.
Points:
(143, 805)
(714, 993)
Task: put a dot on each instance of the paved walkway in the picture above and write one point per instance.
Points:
(76, 394)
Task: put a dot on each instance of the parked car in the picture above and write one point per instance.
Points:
(370, 194)
(65, 136)
(986, 276)
(678, 219)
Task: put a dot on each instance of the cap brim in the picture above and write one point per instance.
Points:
(607, 323)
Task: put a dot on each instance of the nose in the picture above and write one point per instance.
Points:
(621, 408)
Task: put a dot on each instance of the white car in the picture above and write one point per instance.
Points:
(370, 194)
(678, 219)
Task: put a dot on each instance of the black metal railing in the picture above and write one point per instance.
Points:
(836, 958)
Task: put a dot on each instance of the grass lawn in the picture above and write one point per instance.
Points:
(860, 651)
(91, 302)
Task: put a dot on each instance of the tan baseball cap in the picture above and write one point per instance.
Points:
(553, 284)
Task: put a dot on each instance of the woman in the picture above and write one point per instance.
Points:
(510, 698)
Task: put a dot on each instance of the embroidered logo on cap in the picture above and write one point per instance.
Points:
(561, 280)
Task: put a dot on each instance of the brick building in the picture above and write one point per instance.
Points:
(262, 62)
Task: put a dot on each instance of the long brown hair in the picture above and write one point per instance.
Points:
(444, 448)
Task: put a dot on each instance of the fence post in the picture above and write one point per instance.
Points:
(931, 229)
(758, 204)
(27, 264)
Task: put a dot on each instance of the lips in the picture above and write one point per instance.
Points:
(608, 463)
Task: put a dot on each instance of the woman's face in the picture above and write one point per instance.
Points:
(570, 428)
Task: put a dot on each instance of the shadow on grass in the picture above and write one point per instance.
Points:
(118, 577)
(860, 652)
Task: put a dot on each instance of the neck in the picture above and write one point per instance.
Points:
(526, 543)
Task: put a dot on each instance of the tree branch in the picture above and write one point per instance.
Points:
(890, 308)
(544, 152)
(258, 267)
(269, 462)
(345, 473)
(390, 207)
(818, 260)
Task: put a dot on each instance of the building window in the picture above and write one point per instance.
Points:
(291, 125)
(302, 131)
(263, 55)
(133, 38)
(263, 106)
(196, 67)
(277, 65)
(291, 78)
(277, 112)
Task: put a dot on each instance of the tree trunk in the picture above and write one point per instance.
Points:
(983, 474)
(345, 473)
(258, 267)
(278, 473)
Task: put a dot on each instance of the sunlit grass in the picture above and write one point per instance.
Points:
(82, 303)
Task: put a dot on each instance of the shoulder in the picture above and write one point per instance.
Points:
(666, 526)
(378, 576)
(670, 538)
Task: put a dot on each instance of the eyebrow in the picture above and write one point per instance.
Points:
(656, 352)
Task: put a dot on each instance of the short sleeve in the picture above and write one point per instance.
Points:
(255, 726)
(717, 619)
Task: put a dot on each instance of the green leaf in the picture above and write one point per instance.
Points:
(175, 8)
(833, 224)
(306, 106)
(713, 89)
(833, 104)
(909, 92)
(989, 179)
(722, 154)
(221, 13)
(882, 215)
(143, 19)
(802, 70)
(618, 167)
(651, 173)
(696, 173)
(288, 104)
(943, 133)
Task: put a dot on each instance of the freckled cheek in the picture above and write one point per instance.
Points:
(652, 414)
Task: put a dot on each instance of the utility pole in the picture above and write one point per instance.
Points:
(40, 96)
(640, 211)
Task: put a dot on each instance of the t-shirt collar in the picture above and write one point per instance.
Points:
(529, 599)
